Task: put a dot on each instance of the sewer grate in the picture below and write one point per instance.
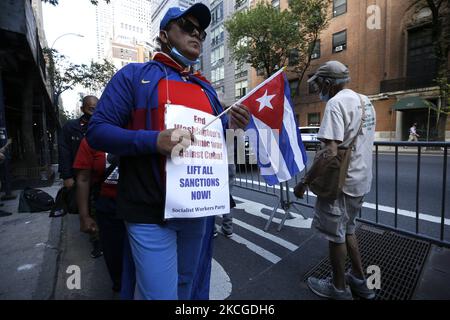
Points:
(400, 260)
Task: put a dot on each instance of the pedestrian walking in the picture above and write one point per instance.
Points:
(349, 120)
(413, 136)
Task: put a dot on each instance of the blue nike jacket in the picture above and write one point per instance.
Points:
(122, 125)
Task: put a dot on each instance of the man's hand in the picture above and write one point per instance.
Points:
(239, 117)
(69, 183)
(300, 189)
(88, 225)
(169, 139)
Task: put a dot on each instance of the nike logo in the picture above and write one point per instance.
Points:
(145, 81)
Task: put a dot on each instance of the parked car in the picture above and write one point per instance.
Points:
(309, 137)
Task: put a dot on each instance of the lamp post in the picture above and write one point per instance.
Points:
(57, 132)
(66, 34)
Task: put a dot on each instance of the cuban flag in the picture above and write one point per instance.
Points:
(274, 131)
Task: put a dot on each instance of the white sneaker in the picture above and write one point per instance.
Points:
(359, 287)
(325, 288)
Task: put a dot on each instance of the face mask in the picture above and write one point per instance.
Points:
(178, 56)
(87, 117)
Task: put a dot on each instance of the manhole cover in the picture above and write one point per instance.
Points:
(400, 259)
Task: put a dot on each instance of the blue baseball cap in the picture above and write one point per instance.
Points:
(198, 10)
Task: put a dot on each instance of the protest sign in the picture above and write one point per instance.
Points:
(196, 177)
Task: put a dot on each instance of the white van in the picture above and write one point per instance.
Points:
(309, 137)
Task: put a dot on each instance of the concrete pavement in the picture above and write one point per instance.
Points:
(29, 250)
(37, 251)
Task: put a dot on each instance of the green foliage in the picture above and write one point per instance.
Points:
(268, 39)
(96, 76)
(64, 75)
(263, 37)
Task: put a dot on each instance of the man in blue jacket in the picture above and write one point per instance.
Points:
(129, 121)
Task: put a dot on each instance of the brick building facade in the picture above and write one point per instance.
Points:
(389, 52)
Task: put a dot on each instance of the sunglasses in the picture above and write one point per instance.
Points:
(188, 27)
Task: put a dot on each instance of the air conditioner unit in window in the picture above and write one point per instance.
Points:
(339, 48)
(314, 56)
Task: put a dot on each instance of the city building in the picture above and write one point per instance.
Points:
(27, 113)
(228, 78)
(122, 54)
(123, 29)
(159, 9)
(389, 52)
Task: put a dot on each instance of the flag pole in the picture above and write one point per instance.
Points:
(243, 98)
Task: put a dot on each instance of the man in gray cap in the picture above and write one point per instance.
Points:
(349, 119)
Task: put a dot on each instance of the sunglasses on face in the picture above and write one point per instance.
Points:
(188, 27)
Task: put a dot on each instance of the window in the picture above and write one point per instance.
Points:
(422, 62)
(260, 72)
(339, 7)
(314, 119)
(217, 14)
(217, 74)
(217, 35)
(217, 55)
(240, 70)
(293, 57)
(239, 3)
(293, 85)
(241, 89)
(339, 41)
(316, 50)
(276, 3)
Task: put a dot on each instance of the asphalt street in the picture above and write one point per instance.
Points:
(428, 205)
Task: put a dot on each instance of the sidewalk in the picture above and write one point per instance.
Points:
(29, 247)
(409, 150)
(37, 250)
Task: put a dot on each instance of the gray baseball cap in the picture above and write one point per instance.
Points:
(331, 69)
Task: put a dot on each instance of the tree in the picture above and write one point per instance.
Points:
(313, 17)
(64, 75)
(263, 37)
(268, 39)
(440, 25)
(96, 76)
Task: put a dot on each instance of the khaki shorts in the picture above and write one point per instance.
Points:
(336, 219)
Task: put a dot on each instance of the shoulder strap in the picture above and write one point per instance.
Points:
(363, 115)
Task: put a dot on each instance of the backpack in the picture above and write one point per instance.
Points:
(35, 200)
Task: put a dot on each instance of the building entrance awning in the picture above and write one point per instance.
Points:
(411, 103)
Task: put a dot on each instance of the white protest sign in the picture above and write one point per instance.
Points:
(197, 179)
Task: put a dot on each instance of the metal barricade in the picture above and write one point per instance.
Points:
(248, 178)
